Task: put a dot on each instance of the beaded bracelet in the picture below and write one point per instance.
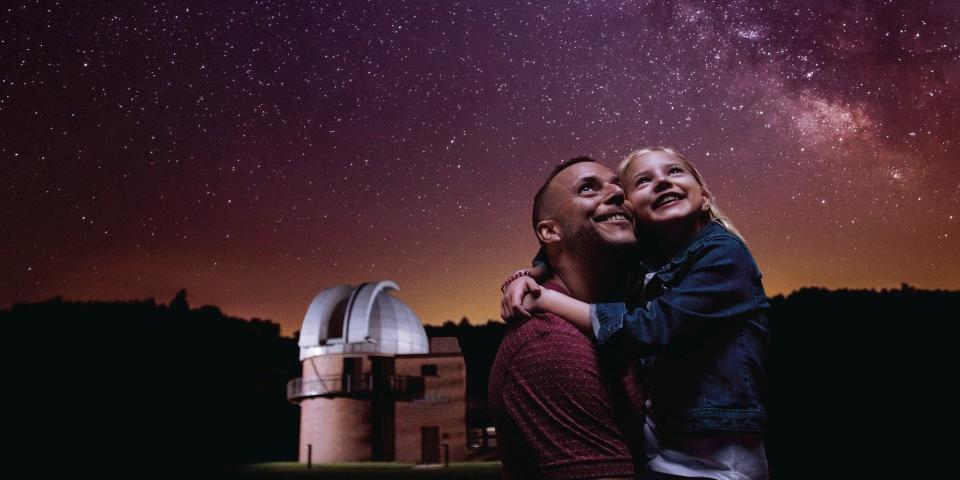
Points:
(513, 276)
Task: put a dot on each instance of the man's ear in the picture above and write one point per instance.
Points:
(548, 231)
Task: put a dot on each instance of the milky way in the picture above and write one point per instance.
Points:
(256, 153)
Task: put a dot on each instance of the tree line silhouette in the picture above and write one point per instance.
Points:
(854, 375)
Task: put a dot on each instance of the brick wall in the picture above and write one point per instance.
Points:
(443, 406)
(341, 429)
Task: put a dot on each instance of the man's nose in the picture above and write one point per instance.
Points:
(613, 194)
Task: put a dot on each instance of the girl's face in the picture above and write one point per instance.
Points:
(662, 189)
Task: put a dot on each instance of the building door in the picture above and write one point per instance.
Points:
(383, 410)
(352, 374)
(430, 444)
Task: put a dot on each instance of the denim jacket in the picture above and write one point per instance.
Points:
(701, 329)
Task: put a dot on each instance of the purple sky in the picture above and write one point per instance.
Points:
(256, 153)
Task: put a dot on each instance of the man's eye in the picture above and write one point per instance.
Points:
(586, 187)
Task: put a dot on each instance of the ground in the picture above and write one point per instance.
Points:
(371, 470)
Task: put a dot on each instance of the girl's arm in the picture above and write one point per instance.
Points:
(567, 308)
(511, 305)
(720, 287)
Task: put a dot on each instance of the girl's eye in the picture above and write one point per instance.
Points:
(676, 170)
(642, 180)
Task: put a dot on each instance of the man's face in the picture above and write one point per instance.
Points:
(590, 209)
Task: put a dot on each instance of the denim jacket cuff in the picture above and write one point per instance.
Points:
(606, 319)
(594, 321)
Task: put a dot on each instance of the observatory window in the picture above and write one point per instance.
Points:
(335, 326)
(428, 370)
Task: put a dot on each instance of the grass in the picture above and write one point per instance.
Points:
(368, 470)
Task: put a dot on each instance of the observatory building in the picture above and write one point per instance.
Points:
(374, 387)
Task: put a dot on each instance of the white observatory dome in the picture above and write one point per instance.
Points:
(365, 319)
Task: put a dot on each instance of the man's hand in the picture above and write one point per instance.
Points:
(515, 305)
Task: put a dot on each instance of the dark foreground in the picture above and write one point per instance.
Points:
(293, 470)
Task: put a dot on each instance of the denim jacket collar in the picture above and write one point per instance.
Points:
(672, 267)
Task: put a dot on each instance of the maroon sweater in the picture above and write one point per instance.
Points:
(559, 411)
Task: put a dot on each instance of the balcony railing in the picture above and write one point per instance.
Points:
(354, 386)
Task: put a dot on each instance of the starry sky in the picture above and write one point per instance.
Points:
(256, 153)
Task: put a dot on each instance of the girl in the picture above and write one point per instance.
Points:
(698, 323)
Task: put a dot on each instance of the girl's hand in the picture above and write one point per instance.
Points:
(531, 302)
(512, 305)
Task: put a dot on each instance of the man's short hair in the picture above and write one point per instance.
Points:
(538, 198)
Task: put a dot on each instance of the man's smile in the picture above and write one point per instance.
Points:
(614, 216)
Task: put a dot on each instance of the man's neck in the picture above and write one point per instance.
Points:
(591, 281)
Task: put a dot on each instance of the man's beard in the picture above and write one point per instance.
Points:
(586, 243)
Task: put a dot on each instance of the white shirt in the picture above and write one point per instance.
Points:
(720, 455)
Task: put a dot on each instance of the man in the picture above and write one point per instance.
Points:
(559, 411)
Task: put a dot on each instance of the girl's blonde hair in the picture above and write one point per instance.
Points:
(714, 213)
